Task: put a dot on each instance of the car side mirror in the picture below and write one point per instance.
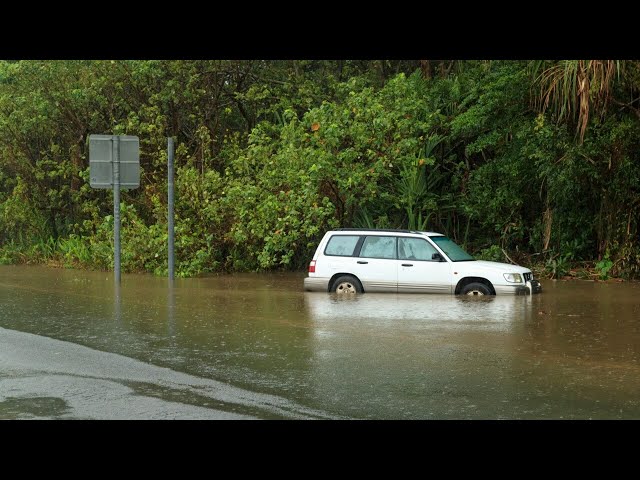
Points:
(438, 257)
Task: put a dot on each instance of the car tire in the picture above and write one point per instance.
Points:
(346, 285)
(475, 289)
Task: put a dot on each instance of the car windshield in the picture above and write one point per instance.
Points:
(453, 251)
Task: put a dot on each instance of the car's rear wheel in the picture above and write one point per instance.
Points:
(475, 289)
(346, 285)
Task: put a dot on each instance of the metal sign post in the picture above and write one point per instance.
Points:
(116, 208)
(114, 162)
(170, 201)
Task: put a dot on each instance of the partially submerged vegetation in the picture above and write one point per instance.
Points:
(534, 162)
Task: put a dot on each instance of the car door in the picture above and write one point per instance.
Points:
(418, 271)
(377, 265)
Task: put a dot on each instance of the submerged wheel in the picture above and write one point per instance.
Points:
(346, 285)
(475, 288)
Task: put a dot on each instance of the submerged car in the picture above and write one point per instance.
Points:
(349, 261)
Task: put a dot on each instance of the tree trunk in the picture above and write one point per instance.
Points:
(425, 66)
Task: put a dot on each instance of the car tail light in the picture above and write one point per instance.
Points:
(312, 266)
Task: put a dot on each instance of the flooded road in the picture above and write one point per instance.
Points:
(257, 346)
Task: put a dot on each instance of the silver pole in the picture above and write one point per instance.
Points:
(170, 201)
(171, 305)
(117, 306)
(116, 208)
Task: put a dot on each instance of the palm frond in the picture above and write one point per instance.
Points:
(574, 89)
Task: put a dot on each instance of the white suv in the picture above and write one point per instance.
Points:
(356, 261)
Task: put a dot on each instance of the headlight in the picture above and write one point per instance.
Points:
(513, 277)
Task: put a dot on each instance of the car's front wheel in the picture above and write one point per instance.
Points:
(475, 288)
(346, 285)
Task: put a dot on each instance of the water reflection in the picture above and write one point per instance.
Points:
(419, 311)
(117, 304)
(171, 307)
(569, 353)
(415, 356)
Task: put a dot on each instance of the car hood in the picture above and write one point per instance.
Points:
(484, 266)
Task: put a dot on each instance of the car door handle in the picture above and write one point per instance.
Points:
(364, 263)
(407, 264)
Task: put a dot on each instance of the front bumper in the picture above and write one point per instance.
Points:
(529, 288)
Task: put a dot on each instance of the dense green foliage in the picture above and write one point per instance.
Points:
(506, 157)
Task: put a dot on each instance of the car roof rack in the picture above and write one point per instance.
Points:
(396, 230)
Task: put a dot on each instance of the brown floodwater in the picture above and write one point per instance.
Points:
(258, 346)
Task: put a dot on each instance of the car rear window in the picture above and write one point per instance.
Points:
(341, 245)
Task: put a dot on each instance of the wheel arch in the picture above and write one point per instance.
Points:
(333, 279)
(467, 280)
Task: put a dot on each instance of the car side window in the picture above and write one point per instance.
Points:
(341, 245)
(415, 249)
(379, 247)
